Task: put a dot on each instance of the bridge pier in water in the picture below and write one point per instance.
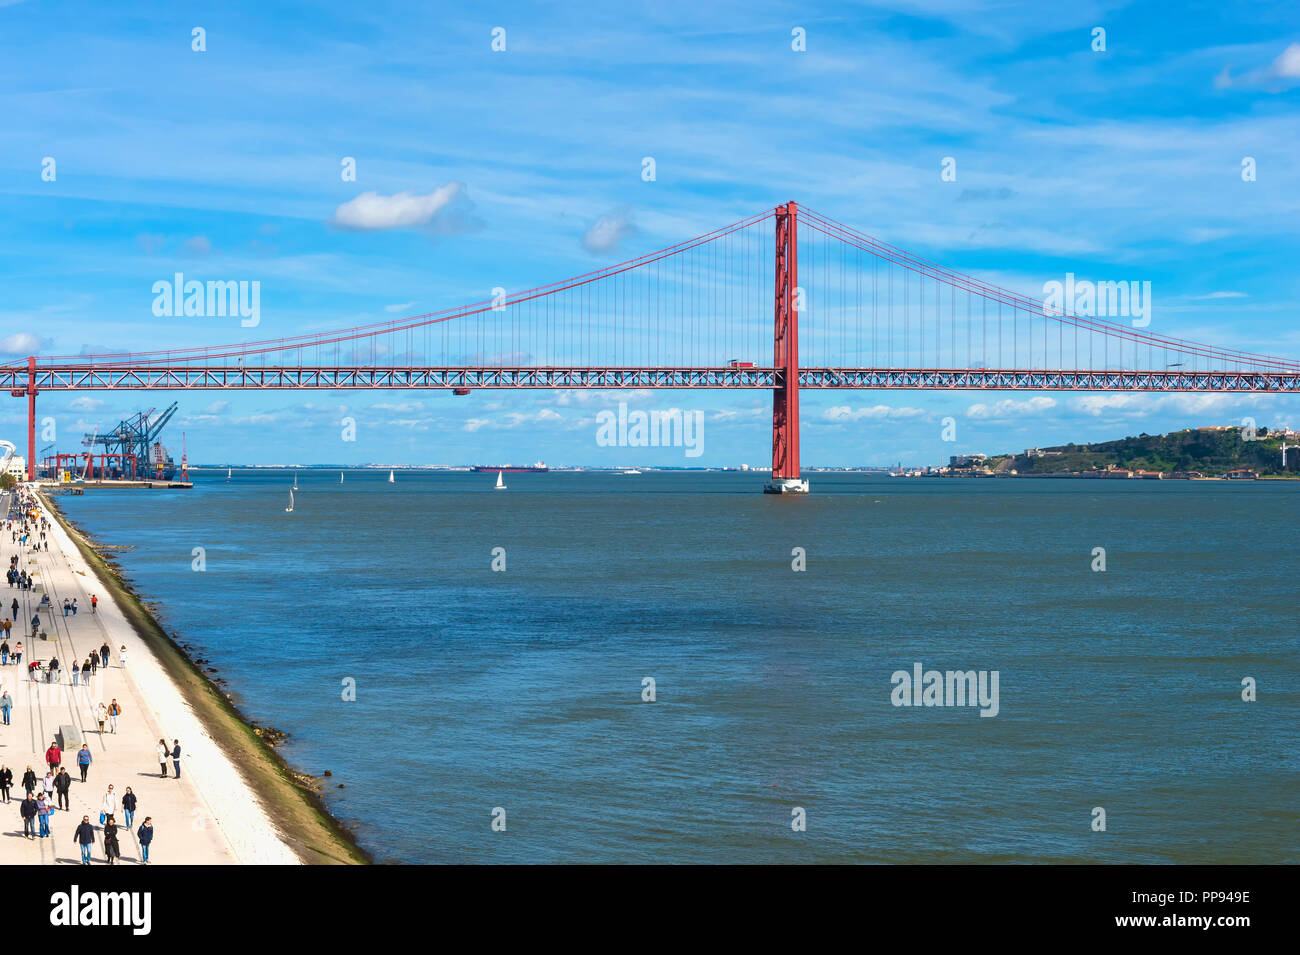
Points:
(785, 358)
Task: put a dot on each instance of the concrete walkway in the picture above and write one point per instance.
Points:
(185, 828)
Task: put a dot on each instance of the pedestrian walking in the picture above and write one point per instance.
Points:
(18, 653)
(94, 603)
(6, 704)
(6, 782)
(84, 759)
(101, 714)
(108, 807)
(84, 837)
(76, 673)
(128, 808)
(162, 759)
(111, 849)
(92, 661)
(29, 781)
(121, 656)
(27, 809)
(176, 756)
(74, 599)
(43, 810)
(114, 711)
(4, 649)
(145, 835)
(62, 783)
(53, 756)
(47, 785)
(103, 654)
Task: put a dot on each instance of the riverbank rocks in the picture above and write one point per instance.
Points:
(270, 735)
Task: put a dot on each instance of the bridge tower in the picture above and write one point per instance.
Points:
(30, 393)
(785, 357)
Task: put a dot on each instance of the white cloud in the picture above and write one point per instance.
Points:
(398, 308)
(603, 396)
(150, 243)
(513, 420)
(370, 210)
(843, 413)
(1213, 295)
(1010, 408)
(608, 232)
(199, 245)
(20, 343)
(1288, 62)
(1278, 75)
(1212, 406)
(85, 404)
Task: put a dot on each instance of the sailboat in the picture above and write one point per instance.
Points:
(295, 480)
(340, 477)
(390, 478)
(501, 484)
(227, 474)
(289, 509)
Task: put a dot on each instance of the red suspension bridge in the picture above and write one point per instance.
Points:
(831, 306)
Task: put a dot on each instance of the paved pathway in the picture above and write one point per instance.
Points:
(184, 830)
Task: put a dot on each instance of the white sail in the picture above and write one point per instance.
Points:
(227, 474)
(295, 480)
(289, 509)
(340, 477)
(501, 484)
(390, 478)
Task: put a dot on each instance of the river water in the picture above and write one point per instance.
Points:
(522, 689)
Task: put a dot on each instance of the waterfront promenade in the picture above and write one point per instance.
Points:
(208, 816)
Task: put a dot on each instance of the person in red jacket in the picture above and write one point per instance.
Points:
(54, 757)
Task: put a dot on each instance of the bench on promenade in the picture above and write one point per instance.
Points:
(69, 737)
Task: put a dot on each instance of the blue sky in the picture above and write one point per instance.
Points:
(224, 164)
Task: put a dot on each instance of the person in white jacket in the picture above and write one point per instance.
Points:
(163, 753)
(101, 714)
(121, 656)
(109, 806)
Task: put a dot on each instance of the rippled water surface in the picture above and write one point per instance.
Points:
(522, 689)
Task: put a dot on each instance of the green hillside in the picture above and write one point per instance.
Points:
(1212, 453)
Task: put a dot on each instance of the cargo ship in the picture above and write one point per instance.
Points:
(538, 468)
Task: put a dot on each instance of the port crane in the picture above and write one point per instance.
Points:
(136, 439)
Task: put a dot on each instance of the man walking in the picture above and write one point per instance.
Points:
(114, 711)
(27, 809)
(62, 783)
(176, 756)
(6, 782)
(54, 756)
(85, 837)
(6, 704)
(128, 807)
